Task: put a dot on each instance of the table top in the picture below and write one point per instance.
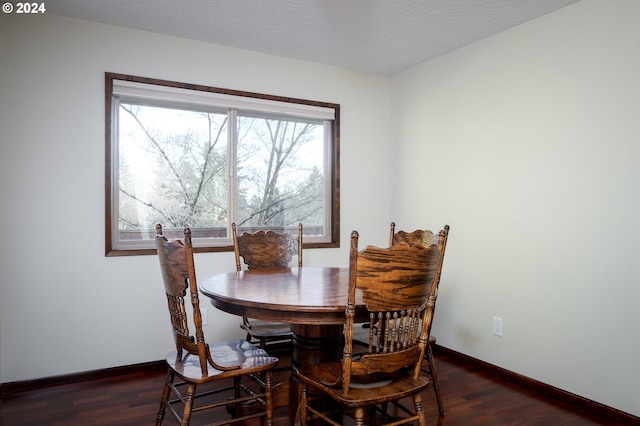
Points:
(305, 295)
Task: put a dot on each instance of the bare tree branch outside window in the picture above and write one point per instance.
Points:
(280, 173)
(180, 177)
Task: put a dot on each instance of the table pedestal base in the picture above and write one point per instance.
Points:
(312, 344)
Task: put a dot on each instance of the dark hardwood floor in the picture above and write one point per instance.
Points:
(472, 394)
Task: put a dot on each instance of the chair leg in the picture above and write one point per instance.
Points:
(188, 404)
(434, 377)
(301, 414)
(165, 397)
(359, 416)
(268, 396)
(235, 409)
(417, 404)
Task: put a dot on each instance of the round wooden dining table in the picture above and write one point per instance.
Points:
(311, 299)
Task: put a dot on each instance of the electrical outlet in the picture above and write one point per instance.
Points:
(497, 326)
(205, 316)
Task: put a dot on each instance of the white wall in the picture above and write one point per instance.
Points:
(528, 144)
(66, 308)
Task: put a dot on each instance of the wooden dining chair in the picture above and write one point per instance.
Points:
(427, 238)
(195, 362)
(267, 250)
(398, 289)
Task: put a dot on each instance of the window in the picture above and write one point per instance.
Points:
(202, 157)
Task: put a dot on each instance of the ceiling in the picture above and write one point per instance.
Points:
(376, 36)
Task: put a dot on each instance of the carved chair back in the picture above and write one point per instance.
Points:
(398, 289)
(266, 249)
(424, 237)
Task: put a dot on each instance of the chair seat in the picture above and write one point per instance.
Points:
(268, 329)
(228, 353)
(365, 392)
